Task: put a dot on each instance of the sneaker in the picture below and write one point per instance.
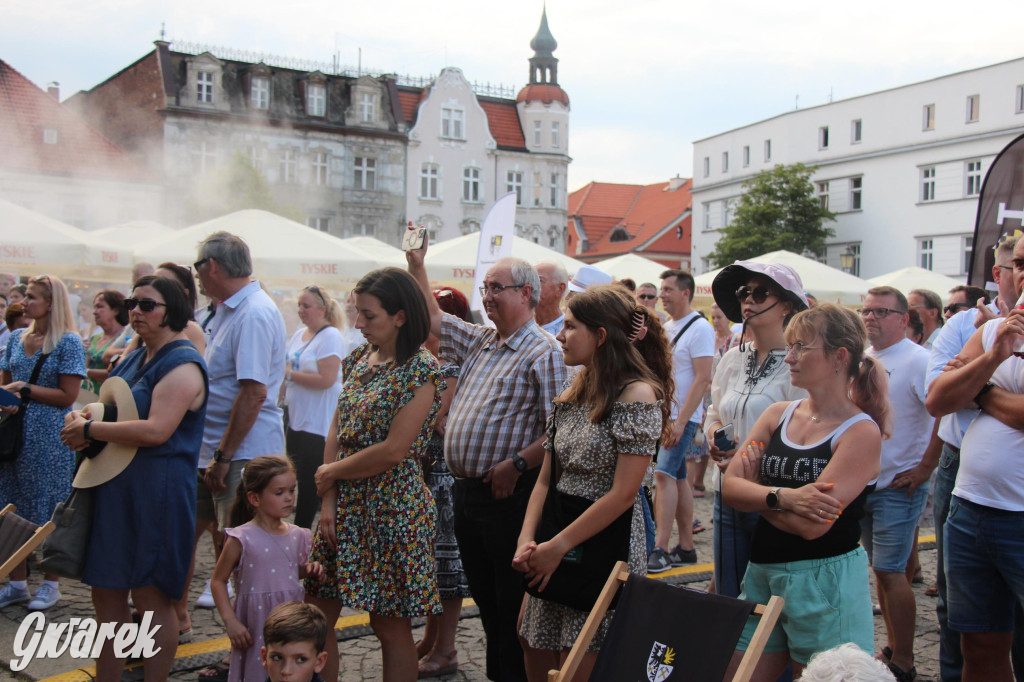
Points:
(659, 561)
(680, 556)
(12, 595)
(46, 596)
(205, 600)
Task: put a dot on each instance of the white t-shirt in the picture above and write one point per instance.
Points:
(311, 409)
(697, 342)
(906, 363)
(990, 471)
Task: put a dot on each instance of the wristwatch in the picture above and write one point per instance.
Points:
(773, 500)
(520, 464)
(218, 456)
(25, 391)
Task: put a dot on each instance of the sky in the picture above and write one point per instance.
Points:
(645, 78)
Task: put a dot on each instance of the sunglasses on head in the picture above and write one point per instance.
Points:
(758, 293)
(146, 305)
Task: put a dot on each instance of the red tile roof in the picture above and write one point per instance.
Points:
(544, 92)
(410, 99)
(600, 205)
(26, 112)
(502, 116)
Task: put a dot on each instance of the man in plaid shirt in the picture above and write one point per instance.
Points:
(494, 439)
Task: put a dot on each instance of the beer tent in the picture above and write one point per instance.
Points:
(453, 261)
(908, 279)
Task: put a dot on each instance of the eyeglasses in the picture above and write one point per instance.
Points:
(146, 305)
(1004, 267)
(759, 293)
(797, 349)
(315, 290)
(1018, 264)
(879, 313)
(954, 308)
(647, 297)
(198, 263)
(496, 289)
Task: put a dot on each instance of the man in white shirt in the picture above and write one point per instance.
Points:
(692, 339)
(928, 305)
(892, 511)
(553, 282)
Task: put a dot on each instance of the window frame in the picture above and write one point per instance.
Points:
(821, 191)
(204, 83)
(316, 100)
(746, 155)
(367, 107)
(822, 138)
(768, 150)
(364, 173)
(320, 164)
(926, 253)
(857, 193)
(556, 134)
(453, 123)
(514, 183)
(259, 93)
(430, 181)
(288, 166)
(928, 117)
(973, 109)
(927, 192)
(856, 131)
(973, 177)
(725, 162)
(471, 185)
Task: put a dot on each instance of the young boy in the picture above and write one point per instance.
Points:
(294, 638)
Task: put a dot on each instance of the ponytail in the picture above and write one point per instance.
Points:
(870, 392)
(241, 511)
(657, 355)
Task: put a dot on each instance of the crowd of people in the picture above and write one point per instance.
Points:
(392, 456)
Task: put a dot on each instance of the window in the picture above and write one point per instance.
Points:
(928, 117)
(49, 136)
(707, 166)
(822, 194)
(968, 249)
(928, 184)
(259, 93)
(429, 181)
(367, 107)
(204, 87)
(973, 104)
(856, 186)
(319, 168)
(365, 173)
(556, 130)
(725, 162)
(321, 223)
(856, 128)
(204, 156)
(553, 198)
(746, 156)
(1018, 100)
(925, 251)
(471, 185)
(316, 99)
(767, 150)
(514, 183)
(288, 165)
(973, 178)
(452, 120)
(257, 157)
(363, 230)
(537, 188)
(726, 212)
(536, 133)
(823, 137)
(706, 208)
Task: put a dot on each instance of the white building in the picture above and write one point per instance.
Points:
(901, 168)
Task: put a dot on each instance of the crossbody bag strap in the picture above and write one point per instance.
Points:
(685, 327)
(35, 374)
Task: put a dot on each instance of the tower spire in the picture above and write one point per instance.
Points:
(543, 64)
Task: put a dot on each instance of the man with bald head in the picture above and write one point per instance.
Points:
(493, 444)
(553, 282)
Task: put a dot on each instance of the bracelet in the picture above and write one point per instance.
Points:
(85, 429)
(984, 389)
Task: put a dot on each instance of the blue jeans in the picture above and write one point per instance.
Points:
(951, 660)
(672, 461)
(648, 524)
(887, 527)
(732, 534)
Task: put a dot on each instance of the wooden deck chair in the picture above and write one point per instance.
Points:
(658, 626)
(18, 538)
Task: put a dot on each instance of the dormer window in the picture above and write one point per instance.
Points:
(367, 107)
(619, 234)
(204, 87)
(259, 93)
(316, 99)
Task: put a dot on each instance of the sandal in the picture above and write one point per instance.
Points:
(185, 636)
(422, 649)
(430, 667)
(932, 591)
(902, 675)
(885, 655)
(218, 672)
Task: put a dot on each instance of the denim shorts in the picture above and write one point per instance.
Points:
(212, 506)
(672, 461)
(828, 603)
(984, 556)
(887, 528)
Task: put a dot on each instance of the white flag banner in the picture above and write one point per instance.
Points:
(495, 243)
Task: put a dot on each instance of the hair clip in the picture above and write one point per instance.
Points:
(639, 330)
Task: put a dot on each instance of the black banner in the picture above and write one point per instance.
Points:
(1000, 211)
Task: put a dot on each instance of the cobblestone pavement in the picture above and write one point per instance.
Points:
(360, 655)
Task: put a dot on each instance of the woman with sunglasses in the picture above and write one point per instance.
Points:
(193, 332)
(807, 467)
(144, 518)
(40, 476)
(312, 382)
(748, 378)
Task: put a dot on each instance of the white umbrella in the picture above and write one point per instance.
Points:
(453, 261)
(635, 267)
(382, 251)
(908, 279)
(285, 253)
(826, 283)
(132, 233)
(32, 243)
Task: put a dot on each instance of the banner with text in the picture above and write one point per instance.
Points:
(1000, 211)
(495, 243)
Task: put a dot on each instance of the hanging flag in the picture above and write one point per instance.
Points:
(495, 243)
(1000, 211)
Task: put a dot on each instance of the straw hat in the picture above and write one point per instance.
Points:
(103, 461)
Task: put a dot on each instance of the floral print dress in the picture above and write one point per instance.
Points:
(384, 563)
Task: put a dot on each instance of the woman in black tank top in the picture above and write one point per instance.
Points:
(807, 466)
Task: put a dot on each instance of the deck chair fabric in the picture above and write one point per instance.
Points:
(18, 537)
(659, 627)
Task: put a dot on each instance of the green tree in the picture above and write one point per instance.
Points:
(778, 210)
(234, 187)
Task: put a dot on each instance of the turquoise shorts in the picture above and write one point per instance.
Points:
(828, 603)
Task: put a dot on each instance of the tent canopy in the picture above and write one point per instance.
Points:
(132, 233)
(453, 261)
(908, 279)
(285, 253)
(635, 267)
(32, 243)
(384, 252)
(826, 283)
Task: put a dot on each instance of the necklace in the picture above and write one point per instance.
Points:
(815, 418)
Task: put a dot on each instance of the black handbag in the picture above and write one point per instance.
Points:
(584, 570)
(11, 425)
(63, 550)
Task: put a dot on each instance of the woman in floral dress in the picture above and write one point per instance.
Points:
(604, 430)
(376, 534)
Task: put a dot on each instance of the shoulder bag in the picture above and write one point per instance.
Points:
(11, 424)
(63, 551)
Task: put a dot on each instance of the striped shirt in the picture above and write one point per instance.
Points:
(505, 392)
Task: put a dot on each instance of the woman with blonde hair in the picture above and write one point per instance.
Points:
(45, 365)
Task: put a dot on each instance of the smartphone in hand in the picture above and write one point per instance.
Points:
(724, 438)
(413, 239)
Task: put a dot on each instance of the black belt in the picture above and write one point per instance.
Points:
(952, 447)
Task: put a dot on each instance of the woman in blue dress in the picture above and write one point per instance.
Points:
(40, 476)
(144, 517)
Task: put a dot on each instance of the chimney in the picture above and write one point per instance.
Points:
(53, 90)
(675, 183)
